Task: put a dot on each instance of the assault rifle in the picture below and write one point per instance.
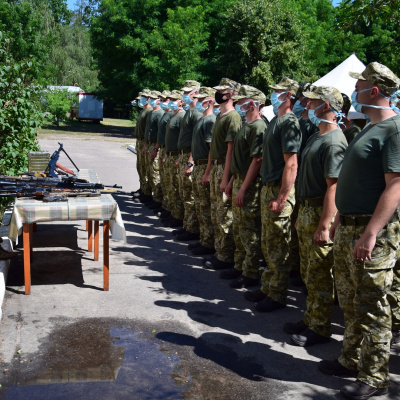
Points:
(47, 188)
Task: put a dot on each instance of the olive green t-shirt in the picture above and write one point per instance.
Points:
(188, 123)
(150, 134)
(351, 132)
(172, 131)
(283, 135)
(202, 134)
(322, 158)
(225, 129)
(248, 144)
(141, 123)
(374, 152)
(162, 127)
(307, 130)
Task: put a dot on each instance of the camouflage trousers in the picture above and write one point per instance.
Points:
(171, 174)
(162, 169)
(247, 228)
(362, 289)
(154, 175)
(140, 163)
(394, 295)
(203, 207)
(221, 216)
(146, 169)
(294, 255)
(316, 272)
(275, 243)
(190, 222)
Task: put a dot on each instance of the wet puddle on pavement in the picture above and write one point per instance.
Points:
(91, 360)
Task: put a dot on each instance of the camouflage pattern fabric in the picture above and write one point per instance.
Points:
(154, 175)
(201, 196)
(190, 222)
(316, 268)
(394, 295)
(146, 170)
(247, 228)
(221, 217)
(275, 244)
(163, 183)
(171, 174)
(294, 253)
(362, 289)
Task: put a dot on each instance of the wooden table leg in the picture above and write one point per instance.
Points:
(89, 228)
(106, 251)
(27, 257)
(96, 240)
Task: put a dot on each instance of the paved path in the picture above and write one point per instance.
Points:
(167, 329)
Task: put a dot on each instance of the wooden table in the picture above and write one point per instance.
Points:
(28, 212)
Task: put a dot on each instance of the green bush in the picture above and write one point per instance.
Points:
(57, 102)
(20, 113)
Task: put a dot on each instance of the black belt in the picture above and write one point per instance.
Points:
(362, 220)
(173, 153)
(312, 202)
(201, 162)
(219, 160)
(185, 151)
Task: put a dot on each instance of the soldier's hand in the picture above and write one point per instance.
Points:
(205, 180)
(321, 237)
(363, 248)
(188, 170)
(163, 161)
(276, 207)
(228, 190)
(239, 198)
(223, 186)
(153, 154)
(176, 163)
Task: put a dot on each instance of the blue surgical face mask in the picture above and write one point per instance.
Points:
(275, 111)
(186, 99)
(358, 106)
(173, 105)
(275, 99)
(241, 112)
(216, 110)
(316, 120)
(298, 109)
(164, 105)
(153, 102)
(200, 107)
(186, 107)
(142, 102)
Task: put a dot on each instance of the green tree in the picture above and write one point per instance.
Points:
(376, 25)
(20, 113)
(262, 41)
(57, 102)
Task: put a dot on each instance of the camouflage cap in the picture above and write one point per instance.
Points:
(326, 93)
(191, 85)
(250, 92)
(145, 93)
(155, 94)
(303, 87)
(286, 84)
(176, 95)
(205, 91)
(346, 103)
(379, 75)
(226, 83)
(166, 94)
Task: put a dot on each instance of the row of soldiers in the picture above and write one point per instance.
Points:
(299, 190)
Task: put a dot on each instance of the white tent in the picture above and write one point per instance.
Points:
(340, 79)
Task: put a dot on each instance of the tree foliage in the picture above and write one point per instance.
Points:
(57, 102)
(20, 114)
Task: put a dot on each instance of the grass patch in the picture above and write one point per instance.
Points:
(109, 127)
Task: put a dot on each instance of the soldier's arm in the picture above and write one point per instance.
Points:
(227, 169)
(384, 210)
(252, 173)
(205, 179)
(321, 235)
(288, 178)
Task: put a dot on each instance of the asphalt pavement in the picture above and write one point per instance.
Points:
(166, 329)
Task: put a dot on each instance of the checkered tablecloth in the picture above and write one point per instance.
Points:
(99, 208)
